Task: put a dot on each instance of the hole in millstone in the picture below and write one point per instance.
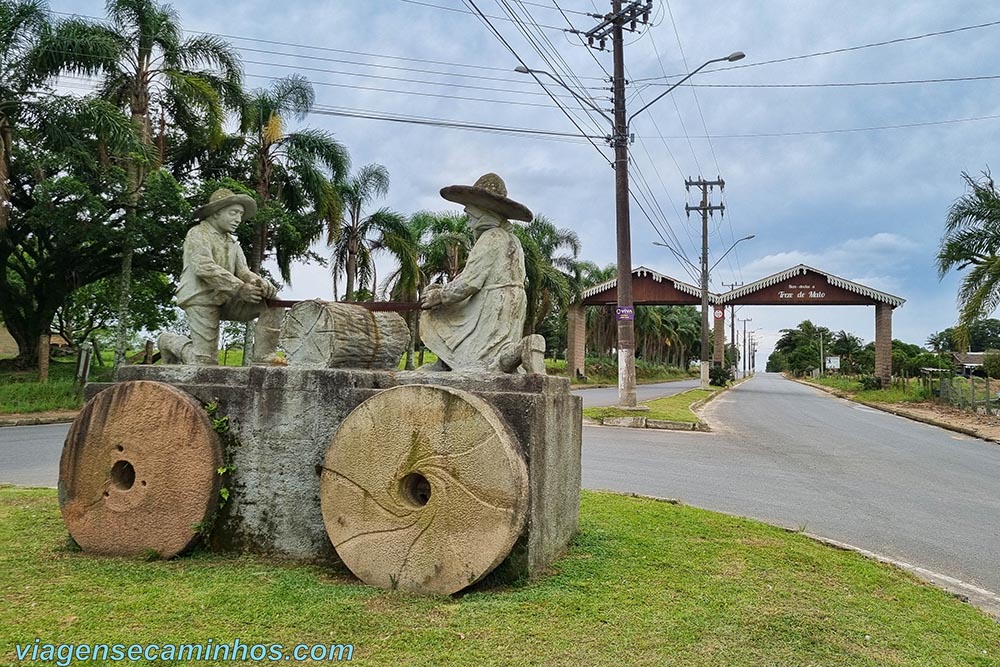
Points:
(123, 475)
(415, 489)
(120, 448)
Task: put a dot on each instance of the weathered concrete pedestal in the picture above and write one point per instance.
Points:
(284, 419)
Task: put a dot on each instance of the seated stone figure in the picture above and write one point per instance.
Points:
(216, 283)
(475, 322)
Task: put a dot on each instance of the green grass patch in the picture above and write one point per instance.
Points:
(914, 391)
(675, 408)
(20, 390)
(644, 583)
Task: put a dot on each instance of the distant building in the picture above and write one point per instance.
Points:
(968, 362)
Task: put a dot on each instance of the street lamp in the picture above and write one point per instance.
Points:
(619, 139)
(738, 241)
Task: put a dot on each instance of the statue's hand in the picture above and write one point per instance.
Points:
(432, 297)
(250, 292)
(269, 288)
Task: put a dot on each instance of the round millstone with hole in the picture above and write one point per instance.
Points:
(423, 489)
(138, 472)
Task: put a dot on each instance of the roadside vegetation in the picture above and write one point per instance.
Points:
(644, 583)
(903, 391)
(676, 408)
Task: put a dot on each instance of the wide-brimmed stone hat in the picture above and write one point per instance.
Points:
(224, 197)
(490, 193)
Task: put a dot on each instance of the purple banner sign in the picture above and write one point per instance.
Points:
(624, 313)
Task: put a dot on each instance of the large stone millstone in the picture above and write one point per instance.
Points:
(423, 489)
(138, 471)
(342, 335)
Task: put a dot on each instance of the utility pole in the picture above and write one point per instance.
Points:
(613, 25)
(706, 210)
(746, 345)
(628, 16)
(732, 321)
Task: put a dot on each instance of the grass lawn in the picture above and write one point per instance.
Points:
(644, 583)
(675, 408)
(914, 392)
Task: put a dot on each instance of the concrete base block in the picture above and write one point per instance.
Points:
(283, 419)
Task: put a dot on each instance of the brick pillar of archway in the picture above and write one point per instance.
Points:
(883, 342)
(576, 339)
(719, 336)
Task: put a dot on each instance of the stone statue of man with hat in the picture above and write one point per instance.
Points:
(216, 283)
(475, 322)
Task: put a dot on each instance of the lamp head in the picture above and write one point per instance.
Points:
(521, 69)
(736, 55)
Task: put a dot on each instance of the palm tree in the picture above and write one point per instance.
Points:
(550, 254)
(153, 72)
(32, 49)
(446, 240)
(355, 241)
(972, 239)
(298, 169)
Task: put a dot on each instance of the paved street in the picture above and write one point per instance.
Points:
(794, 456)
(29, 455)
(599, 397)
(781, 452)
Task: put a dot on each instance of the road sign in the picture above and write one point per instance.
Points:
(623, 313)
(833, 363)
(720, 312)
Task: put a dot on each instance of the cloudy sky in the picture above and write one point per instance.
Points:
(854, 180)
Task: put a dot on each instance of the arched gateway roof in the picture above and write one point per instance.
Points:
(799, 285)
(804, 285)
(649, 288)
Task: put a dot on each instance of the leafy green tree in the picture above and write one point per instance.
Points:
(32, 50)
(91, 308)
(972, 241)
(153, 72)
(66, 226)
(982, 335)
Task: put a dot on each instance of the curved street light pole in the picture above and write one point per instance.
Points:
(738, 241)
(619, 139)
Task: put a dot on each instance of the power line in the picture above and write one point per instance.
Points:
(510, 48)
(848, 49)
(466, 11)
(315, 47)
(847, 84)
(802, 133)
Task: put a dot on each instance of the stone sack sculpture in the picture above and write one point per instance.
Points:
(475, 322)
(216, 283)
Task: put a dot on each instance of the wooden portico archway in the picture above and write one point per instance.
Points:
(649, 288)
(805, 286)
(798, 286)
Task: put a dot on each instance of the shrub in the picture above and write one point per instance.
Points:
(720, 376)
(870, 382)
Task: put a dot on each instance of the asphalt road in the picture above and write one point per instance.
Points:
(29, 455)
(598, 397)
(781, 452)
(794, 456)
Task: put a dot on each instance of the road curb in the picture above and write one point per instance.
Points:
(897, 412)
(37, 421)
(663, 424)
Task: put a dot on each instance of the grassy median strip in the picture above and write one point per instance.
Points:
(644, 583)
(676, 408)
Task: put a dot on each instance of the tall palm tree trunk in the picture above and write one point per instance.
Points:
(6, 148)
